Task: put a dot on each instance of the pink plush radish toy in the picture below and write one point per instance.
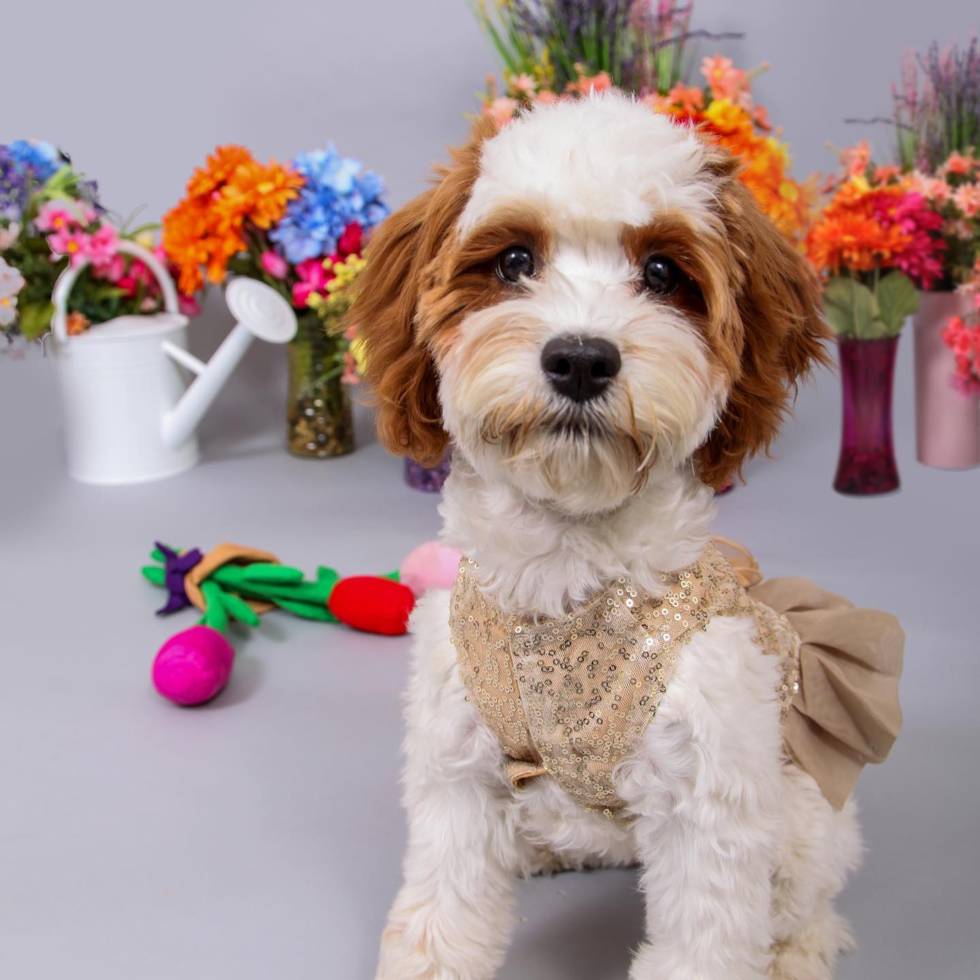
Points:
(193, 666)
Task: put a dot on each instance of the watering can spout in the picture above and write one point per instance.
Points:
(259, 311)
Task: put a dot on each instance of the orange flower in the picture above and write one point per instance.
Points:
(220, 166)
(689, 99)
(848, 233)
(205, 230)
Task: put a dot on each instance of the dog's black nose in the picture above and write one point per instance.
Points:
(580, 367)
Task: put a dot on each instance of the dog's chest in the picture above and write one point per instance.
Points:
(572, 697)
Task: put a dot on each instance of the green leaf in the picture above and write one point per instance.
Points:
(307, 610)
(215, 615)
(154, 574)
(897, 300)
(239, 609)
(851, 308)
(265, 572)
(34, 319)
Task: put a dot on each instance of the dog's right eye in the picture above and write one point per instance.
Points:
(514, 263)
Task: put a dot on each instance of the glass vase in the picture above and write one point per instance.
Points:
(428, 478)
(867, 456)
(319, 421)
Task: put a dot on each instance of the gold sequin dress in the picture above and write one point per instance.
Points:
(571, 697)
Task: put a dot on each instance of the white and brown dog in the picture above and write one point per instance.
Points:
(589, 305)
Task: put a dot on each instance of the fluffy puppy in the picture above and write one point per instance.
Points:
(589, 305)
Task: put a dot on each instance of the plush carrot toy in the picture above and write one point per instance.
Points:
(232, 582)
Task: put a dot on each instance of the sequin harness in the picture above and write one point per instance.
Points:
(571, 697)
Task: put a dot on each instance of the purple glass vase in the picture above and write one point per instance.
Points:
(428, 478)
(867, 456)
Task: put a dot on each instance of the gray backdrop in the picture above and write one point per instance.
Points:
(260, 837)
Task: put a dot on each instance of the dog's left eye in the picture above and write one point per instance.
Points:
(661, 275)
(514, 263)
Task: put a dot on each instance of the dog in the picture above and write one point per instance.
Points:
(590, 306)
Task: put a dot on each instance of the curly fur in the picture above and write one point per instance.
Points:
(740, 855)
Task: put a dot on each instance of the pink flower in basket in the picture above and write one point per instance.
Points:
(74, 244)
(100, 249)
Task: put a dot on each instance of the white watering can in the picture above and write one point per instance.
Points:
(129, 414)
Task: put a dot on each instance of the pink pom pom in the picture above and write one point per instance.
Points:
(429, 566)
(193, 666)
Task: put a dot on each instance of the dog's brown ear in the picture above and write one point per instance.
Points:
(777, 337)
(400, 369)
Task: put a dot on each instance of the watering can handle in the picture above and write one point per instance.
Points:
(63, 287)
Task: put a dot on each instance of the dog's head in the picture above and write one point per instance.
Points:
(583, 299)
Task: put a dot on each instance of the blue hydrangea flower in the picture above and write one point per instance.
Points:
(24, 163)
(39, 160)
(336, 194)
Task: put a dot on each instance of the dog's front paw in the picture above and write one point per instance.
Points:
(403, 959)
(651, 963)
(412, 952)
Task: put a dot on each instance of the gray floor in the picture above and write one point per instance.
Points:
(260, 837)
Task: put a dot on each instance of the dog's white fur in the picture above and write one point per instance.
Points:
(741, 855)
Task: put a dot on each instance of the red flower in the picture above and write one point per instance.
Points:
(351, 240)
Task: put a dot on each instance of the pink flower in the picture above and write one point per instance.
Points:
(967, 199)
(855, 159)
(54, 216)
(724, 79)
(74, 244)
(101, 249)
(523, 86)
(885, 175)
(274, 264)
(922, 259)
(546, 97)
(931, 188)
(313, 278)
(501, 110)
(959, 164)
(137, 276)
(114, 269)
(188, 305)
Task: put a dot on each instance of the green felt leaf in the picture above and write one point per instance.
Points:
(239, 609)
(157, 555)
(308, 610)
(154, 573)
(395, 576)
(266, 572)
(215, 615)
(897, 300)
(327, 576)
(851, 307)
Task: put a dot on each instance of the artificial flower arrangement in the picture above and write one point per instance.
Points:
(554, 49)
(874, 242)
(300, 228)
(50, 219)
(937, 123)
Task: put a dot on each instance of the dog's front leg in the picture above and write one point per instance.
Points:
(708, 900)
(453, 915)
(706, 789)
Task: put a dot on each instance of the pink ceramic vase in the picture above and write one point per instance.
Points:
(947, 422)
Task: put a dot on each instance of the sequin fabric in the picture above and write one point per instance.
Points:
(572, 696)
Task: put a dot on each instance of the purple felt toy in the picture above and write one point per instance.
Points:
(193, 666)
